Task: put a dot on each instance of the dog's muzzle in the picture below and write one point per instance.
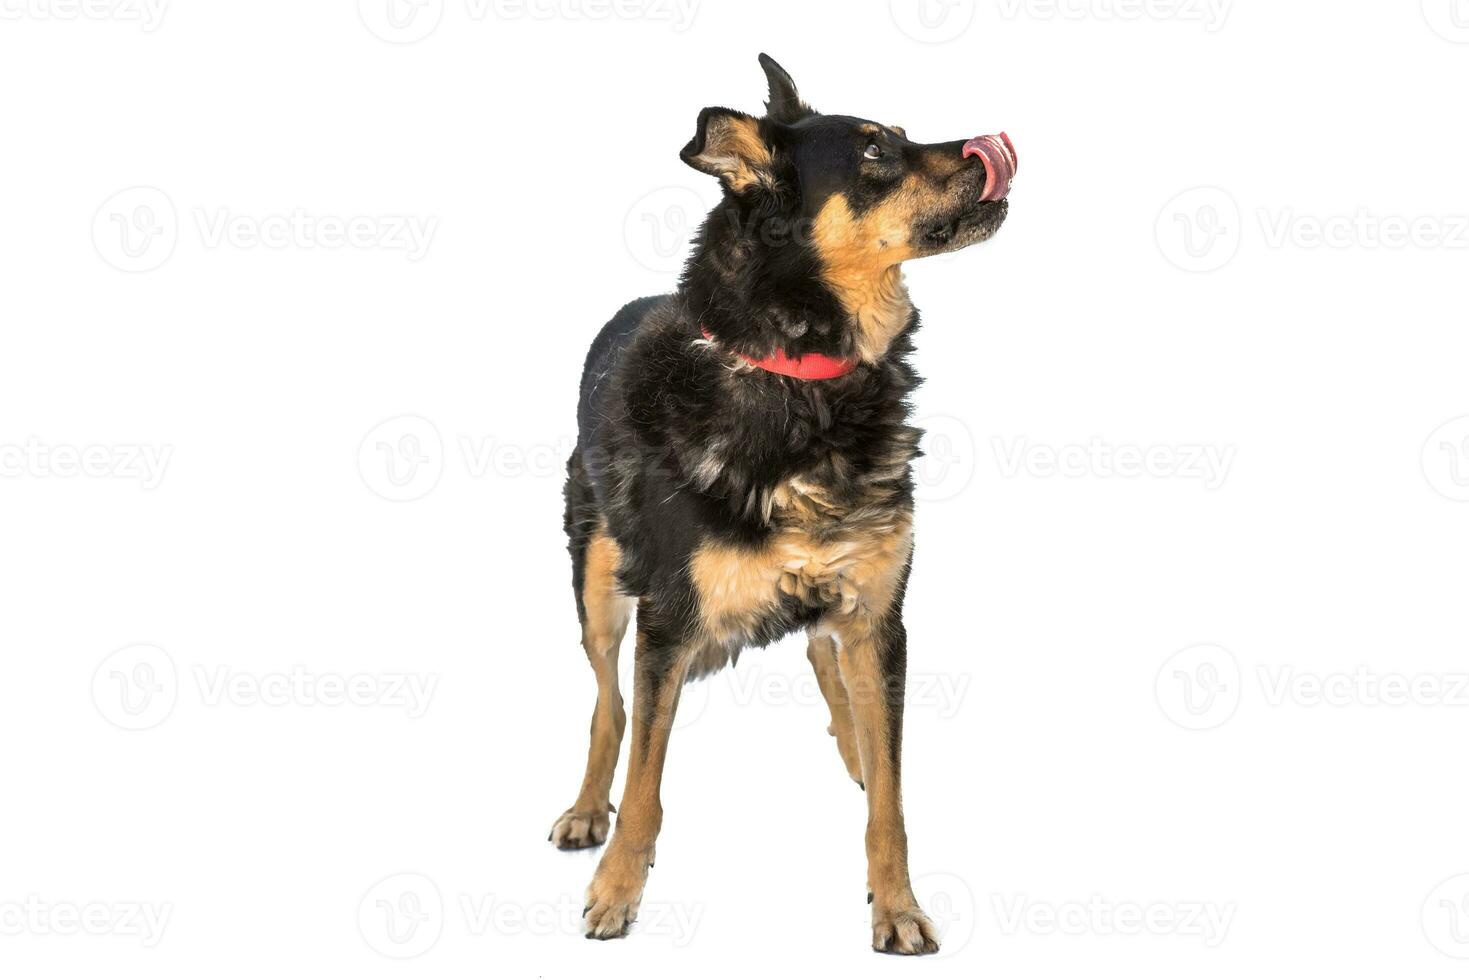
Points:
(1000, 164)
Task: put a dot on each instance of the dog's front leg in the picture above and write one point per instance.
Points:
(873, 660)
(616, 890)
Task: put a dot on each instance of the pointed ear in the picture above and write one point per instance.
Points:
(784, 104)
(728, 145)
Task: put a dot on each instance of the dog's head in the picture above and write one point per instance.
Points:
(869, 195)
(852, 195)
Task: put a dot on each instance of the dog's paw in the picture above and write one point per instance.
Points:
(906, 931)
(576, 829)
(613, 898)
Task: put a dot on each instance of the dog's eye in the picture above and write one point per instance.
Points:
(873, 152)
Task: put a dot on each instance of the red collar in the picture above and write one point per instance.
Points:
(807, 367)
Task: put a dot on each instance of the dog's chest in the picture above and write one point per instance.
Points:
(840, 561)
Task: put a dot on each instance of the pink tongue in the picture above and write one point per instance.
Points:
(1000, 163)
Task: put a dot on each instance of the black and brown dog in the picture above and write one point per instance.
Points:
(743, 464)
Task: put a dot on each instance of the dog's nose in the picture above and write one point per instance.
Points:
(1000, 163)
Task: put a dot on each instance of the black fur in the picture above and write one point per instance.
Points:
(654, 400)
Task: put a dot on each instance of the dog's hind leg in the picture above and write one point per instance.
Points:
(822, 652)
(616, 890)
(605, 614)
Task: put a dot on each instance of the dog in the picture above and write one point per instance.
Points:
(743, 463)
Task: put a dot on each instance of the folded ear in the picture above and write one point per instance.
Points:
(729, 146)
(784, 104)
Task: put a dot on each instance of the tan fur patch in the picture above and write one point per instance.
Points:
(860, 258)
(607, 608)
(850, 565)
(616, 889)
(735, 152)
(822, 652)
(585, 823)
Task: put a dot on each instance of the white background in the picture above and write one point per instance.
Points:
(1098, 727)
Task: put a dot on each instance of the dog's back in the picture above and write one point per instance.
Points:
(608, 346)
